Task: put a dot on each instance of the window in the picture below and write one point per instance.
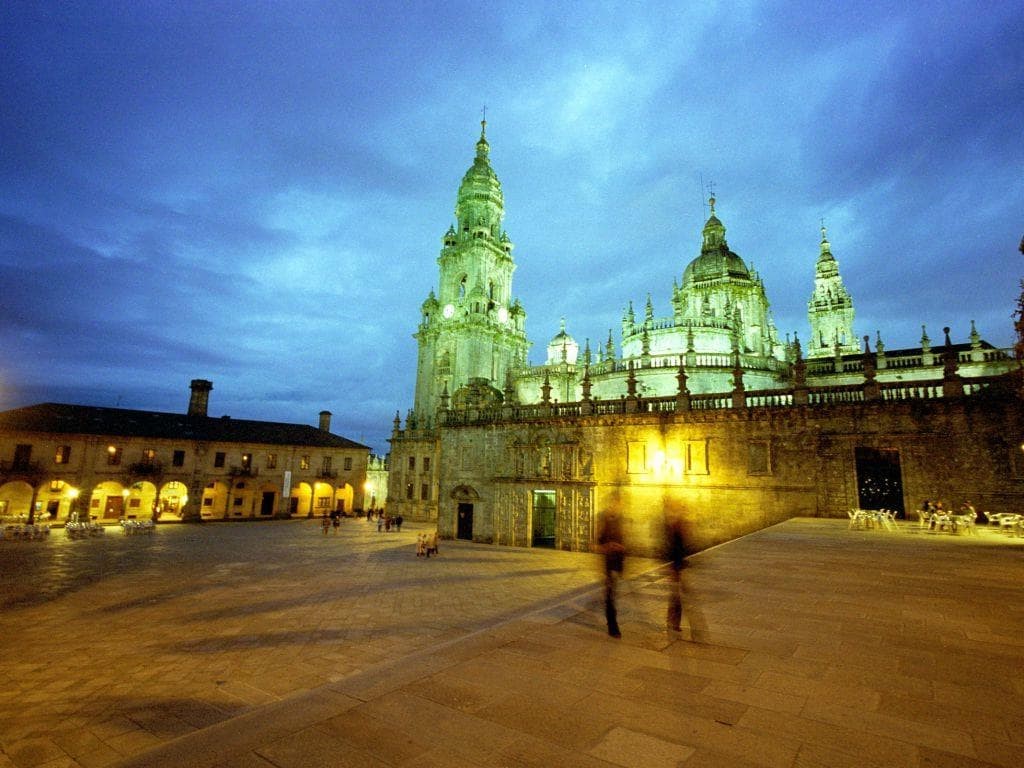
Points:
(246, 461)
(325, 465)
(304, 461)
(695, 456)
(412, 462)
(425, 492)
(237, 501)
(208, 501)
(271, 461)
(178, 459)
(348, 463)
(636, 457)
(113, 456)
(426, 463)
(63, 454)
(218, 458)
(323, 502)
(22, 456)
(148, 456)
(408, 491)
(758, 458)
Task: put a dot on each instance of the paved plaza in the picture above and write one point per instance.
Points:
(268, 644)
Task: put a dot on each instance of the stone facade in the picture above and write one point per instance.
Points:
(499, 450)
(62, 461)
(735, 470)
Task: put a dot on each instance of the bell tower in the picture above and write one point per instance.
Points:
(830, 309)
(472, 328)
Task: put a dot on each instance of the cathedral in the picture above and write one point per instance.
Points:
(500, 450)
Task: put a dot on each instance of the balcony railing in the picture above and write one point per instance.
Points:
(145, 469)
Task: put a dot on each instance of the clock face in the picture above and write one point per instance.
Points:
(502, 315)
(449, 310)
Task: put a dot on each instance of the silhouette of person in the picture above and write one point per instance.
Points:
(679, 597)
(611, 544)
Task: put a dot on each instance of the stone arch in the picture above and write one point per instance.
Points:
(106, 502)
(141, 501)
(344, 496)
(465, 493)
(54, 501)
(15, 498)
(302, 500)
(172, 500)
(215, 500)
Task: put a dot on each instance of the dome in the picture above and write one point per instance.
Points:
(562, 348)
(716, 261)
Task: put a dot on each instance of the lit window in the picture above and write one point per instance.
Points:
(113, 455)
(246, 461)
(148, 456)
(63, 454)
(271, 461)
(304, 462)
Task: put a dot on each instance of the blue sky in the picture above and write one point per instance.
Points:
(254, 193)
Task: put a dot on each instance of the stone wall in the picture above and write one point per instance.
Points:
(733, 470)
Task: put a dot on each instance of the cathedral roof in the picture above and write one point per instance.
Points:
(716, 261)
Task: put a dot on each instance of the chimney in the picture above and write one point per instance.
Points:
(325, 421)
(200, 399)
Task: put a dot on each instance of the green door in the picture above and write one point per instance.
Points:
(544, 519)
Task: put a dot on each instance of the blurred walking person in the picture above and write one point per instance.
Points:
(680, 600)
(611, 544)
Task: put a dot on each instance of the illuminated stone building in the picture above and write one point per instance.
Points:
(705, 403)
(59, 460)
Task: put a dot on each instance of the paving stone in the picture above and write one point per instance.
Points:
(827, 647)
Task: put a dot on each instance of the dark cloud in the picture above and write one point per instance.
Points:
(256, 194)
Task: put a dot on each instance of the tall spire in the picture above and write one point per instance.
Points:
(483, 149)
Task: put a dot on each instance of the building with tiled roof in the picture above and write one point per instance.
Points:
(58, 460)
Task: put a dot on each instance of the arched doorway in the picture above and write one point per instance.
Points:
(172, 500)
(343, 499)
(465, 499)
(301, 500)
(15, 499)
(107, 501)
(140, 503)
(54, 501)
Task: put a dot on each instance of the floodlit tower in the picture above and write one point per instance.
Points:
(830, 309)
(472, 329)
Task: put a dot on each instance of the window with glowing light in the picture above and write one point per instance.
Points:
(63, 454)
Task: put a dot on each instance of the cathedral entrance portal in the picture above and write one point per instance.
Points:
(464, 521)
(543, 519)
(879, 481)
